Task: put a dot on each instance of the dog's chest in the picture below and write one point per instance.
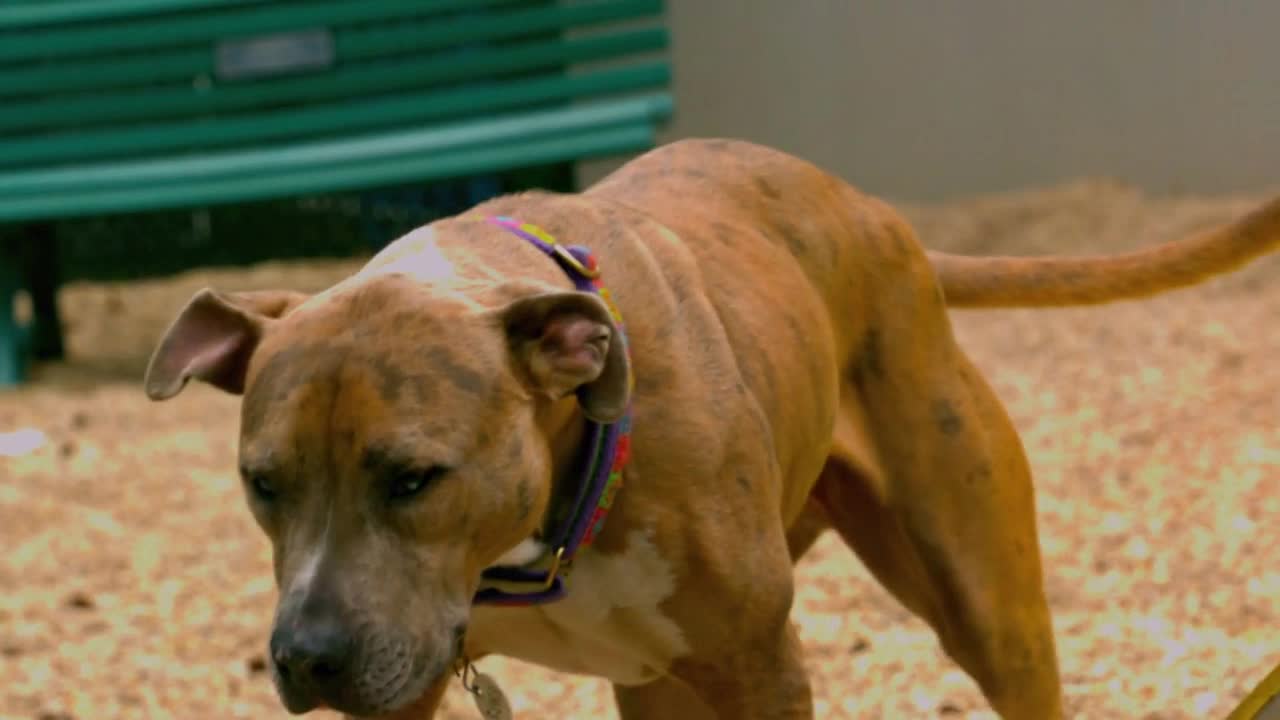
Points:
(609, 624)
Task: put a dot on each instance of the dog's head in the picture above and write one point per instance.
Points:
(393, 444)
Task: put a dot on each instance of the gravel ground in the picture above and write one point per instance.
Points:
(133, 583)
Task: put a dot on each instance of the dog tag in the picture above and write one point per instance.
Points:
(489, 699)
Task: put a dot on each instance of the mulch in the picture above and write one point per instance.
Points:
(133, 583)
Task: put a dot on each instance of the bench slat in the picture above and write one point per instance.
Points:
(89, 178)
(415, 37)
(299, 123)
(181, 65)
(344, 84)
(30, 13)
(331, 178)
(94, 74)
(208, 26)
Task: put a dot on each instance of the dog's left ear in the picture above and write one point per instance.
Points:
(568, 343)
(213, 338)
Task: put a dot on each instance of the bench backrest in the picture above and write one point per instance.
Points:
(84, 81)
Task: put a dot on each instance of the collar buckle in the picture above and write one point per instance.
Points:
(574, 263)
(555, 568)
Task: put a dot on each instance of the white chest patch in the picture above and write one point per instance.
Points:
(609, 624)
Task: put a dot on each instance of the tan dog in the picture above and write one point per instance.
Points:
(794, 370)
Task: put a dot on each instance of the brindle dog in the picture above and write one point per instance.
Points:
(795, 370)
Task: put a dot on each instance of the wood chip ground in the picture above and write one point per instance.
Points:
(133, 583)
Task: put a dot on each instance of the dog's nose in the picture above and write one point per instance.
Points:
(312, 657)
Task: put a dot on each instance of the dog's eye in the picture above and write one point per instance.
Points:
(410, 483)
(262, 488)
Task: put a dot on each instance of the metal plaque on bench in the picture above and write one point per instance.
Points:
(274, 54)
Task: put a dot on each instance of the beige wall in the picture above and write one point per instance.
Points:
(922, 100)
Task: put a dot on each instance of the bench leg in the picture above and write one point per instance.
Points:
(43, 278)
(12, 347)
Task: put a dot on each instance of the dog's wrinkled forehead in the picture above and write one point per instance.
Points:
(377, 354)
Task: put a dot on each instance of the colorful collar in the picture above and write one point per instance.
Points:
(598, 466)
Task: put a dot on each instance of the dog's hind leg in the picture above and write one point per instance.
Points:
(806, 529)
(954, 541)
(949, 528)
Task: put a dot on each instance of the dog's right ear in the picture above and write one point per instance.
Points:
(568, 343)
(213, 338)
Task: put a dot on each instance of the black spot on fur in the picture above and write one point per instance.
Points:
(392, 382)
(798, 332)
(980, 475)
(515, 452)
(903, 239)
(654, 379)
(948, 420)
(762, 423)
(766, 188)
(756, 365)
(724, 233)
(800, 335)
(795, 243)
(280, 375)
(462, 376)
(869, 365)
(744, 482)
(524, 499)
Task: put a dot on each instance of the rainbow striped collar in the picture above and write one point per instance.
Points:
(599, 464)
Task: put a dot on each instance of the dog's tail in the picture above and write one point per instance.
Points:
(993, 282)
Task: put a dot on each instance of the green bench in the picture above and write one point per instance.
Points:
(125, 106)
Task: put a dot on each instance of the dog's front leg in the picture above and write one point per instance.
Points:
(766, 680)
(747, 660)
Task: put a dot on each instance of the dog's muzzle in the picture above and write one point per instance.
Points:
(325, 663)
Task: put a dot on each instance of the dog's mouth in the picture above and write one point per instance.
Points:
(433, 691)
(422, 706)
(392, 689)
(425, 706)
(399, 690)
